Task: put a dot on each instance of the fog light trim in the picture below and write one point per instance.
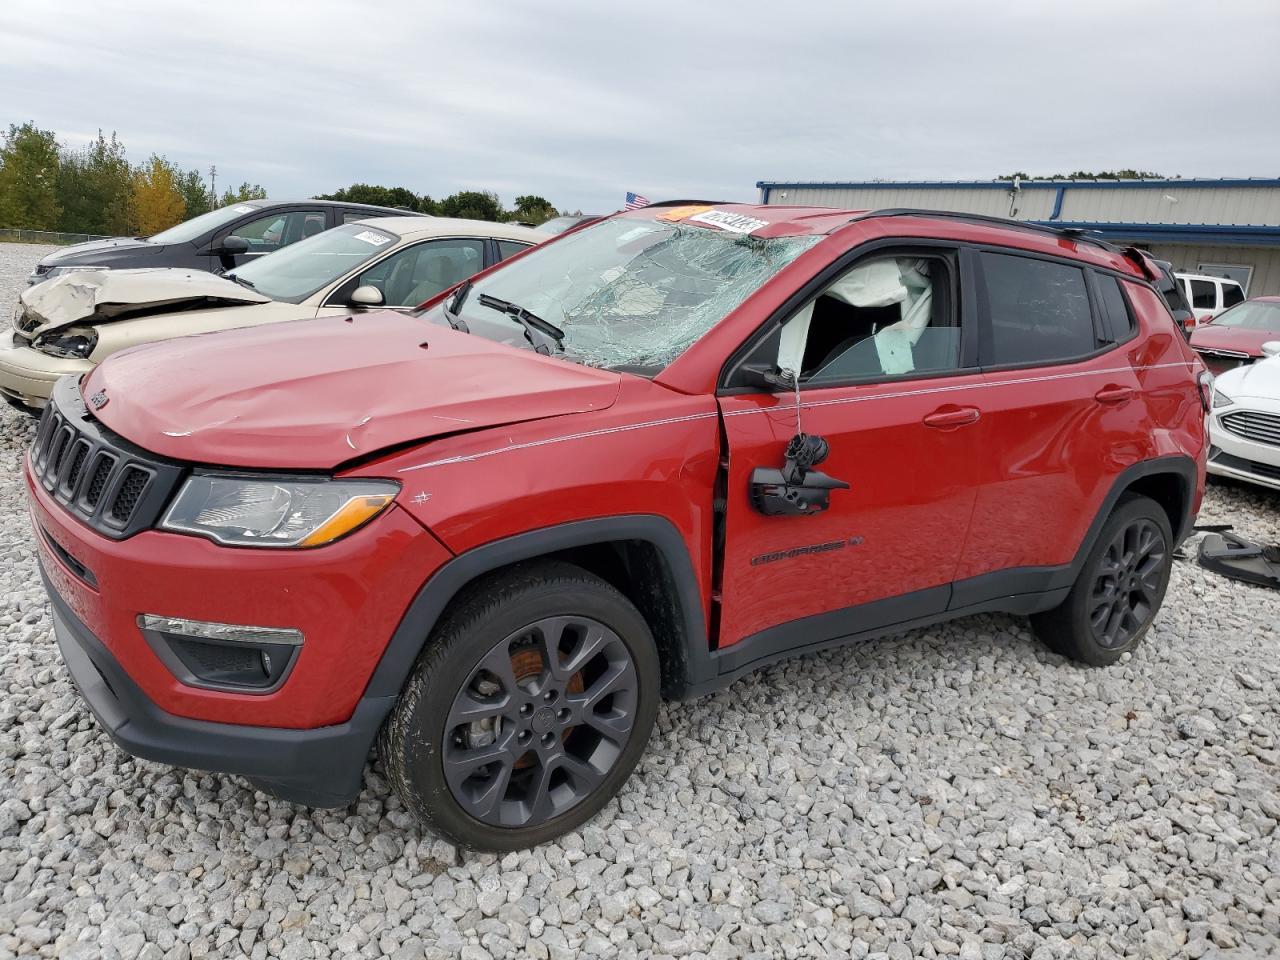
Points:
(209, 630)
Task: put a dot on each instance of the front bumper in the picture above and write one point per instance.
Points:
(1235, 456)
(321, 767)
(27, 376)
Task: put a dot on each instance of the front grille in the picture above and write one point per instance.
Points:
(1247, 466)
(1251, 425)
(95, 475)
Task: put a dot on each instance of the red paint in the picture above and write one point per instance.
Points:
(951, 477)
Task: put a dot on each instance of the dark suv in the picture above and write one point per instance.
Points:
(214, 241)
(635, 462)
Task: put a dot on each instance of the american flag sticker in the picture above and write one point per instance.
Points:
(635, 201)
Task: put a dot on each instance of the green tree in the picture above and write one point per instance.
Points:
(195, 195)
(1125, 174)
(382, 197)
(156, 203)
(29, 164)
(472, 205)
(242, 193)
(534, 209)
(93, 186)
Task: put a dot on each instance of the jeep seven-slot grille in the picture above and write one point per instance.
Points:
(96, 476)
(1258, 427)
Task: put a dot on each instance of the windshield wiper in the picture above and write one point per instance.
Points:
(453, 304)
(543, 334)
(241, 280)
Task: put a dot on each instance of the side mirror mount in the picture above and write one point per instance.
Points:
(1271, 348)
(366, 296)
(765, 376)
(231, 246)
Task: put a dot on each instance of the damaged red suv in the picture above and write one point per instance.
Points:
(635, 463)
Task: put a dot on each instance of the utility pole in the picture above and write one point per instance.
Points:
(213, 185)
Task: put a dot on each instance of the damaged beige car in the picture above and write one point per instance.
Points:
(71, 323)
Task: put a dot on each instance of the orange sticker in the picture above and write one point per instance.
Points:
(683, 213)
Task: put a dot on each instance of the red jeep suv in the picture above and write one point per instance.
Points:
(653, 454)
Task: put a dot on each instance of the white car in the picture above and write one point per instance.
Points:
(1209, 296)
(71, 323)
(1244, 421)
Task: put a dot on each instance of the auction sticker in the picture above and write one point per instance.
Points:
(683, 213)
(377, 239)
(733, 222)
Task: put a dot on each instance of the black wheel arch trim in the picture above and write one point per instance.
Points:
(435, 595)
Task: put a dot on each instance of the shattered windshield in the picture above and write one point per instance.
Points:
(295, 272)
(627, 292)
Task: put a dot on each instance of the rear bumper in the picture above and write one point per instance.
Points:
(320, 767)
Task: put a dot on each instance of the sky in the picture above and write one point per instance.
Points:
(580, 101)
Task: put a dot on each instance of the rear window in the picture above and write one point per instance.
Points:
(1204, 294)
(1115, 308)
(1038, 310)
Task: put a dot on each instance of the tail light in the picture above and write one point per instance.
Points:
(1206, 389)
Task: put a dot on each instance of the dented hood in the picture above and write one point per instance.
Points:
(99, 296)
(312, 394)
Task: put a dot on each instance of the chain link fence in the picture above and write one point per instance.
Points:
(13, 235)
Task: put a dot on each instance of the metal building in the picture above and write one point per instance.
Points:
(1228, 228)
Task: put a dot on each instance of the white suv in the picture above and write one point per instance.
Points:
(1209, 296)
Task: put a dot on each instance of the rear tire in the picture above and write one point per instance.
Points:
(1118, 591)
(528, 709)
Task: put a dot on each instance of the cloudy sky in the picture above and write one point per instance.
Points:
(582, 100)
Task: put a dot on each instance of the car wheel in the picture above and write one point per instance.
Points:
(528, 709)
(1119, 589)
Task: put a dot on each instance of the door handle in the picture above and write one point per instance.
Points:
(1113, 394)
(951, 416)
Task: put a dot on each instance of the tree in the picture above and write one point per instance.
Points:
(157, 204)
(195, 195)
(381, 196)
(534, 209)
(94, 185)
(472, 205)
(242, 193)
(29, 165)
(1086, 175)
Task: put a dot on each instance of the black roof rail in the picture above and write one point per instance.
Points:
(681, 203)
(1078, 234)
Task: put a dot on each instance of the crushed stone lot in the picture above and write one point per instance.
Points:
(954, 791)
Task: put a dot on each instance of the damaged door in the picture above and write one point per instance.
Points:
(887, 377)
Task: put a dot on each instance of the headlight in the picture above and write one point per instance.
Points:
(73, 343)
(252, 512)
(1220, 399)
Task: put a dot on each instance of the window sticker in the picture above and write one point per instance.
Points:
(245, 209)
(377, 239)
(683, 213)
(733, 222)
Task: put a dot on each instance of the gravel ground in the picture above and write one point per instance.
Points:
(952, 791)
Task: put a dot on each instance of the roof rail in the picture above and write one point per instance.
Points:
(681, 203)
(1077, 234)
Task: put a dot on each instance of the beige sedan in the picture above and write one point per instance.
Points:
(69, 324)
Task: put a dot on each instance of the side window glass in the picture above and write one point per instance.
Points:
(884, 317)
(1039, 310)
(353, 216)
(1204, 295)
(1231, 295)
(509, 248)
(415, 274)
(1115, 308)
(280, 229)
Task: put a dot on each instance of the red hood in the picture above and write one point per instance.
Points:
(314, 393)
(1207, 336)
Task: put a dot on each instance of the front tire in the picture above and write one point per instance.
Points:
(1119, 589)
(528, 709)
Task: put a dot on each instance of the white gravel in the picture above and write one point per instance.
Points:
(953, 791)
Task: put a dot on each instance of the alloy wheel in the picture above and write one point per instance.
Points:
(541, 720)
(1126, 586)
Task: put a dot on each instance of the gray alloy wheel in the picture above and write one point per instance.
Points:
(541, 720)
(1128, 584)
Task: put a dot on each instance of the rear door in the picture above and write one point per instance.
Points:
(1061, 415)
(888, 377)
